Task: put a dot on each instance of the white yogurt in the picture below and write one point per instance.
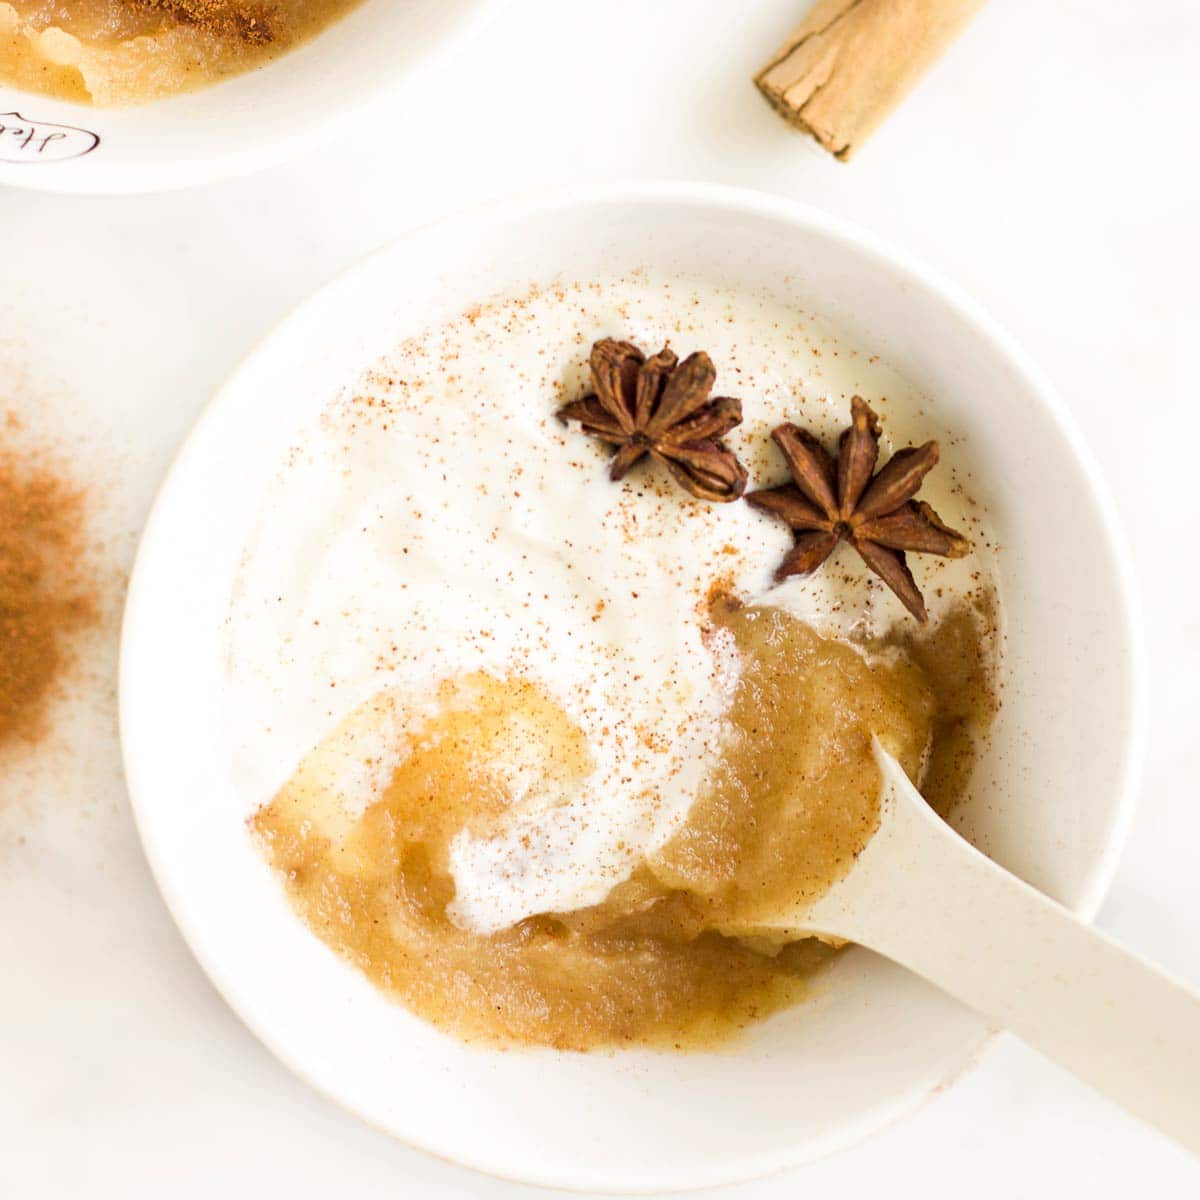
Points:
(439, 520)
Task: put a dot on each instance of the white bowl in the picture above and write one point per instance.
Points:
(242, 124)
(1055, 790)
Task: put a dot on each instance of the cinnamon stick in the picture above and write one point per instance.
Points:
(850, 62)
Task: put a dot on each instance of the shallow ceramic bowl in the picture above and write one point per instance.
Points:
(242, 124)
(1052, 798)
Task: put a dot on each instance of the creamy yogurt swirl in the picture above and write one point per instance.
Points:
(439, 521)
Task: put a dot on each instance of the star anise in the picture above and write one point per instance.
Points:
(843, 498)
(660, 407)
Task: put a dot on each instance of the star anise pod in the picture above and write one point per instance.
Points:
(660, 407)
(843, 498)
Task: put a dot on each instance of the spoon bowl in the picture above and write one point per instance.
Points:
(927, 899)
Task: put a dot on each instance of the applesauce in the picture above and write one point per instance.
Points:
(791, 800)
(119, 52)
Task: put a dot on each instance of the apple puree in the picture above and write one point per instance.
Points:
(117, 52)
(791, 801)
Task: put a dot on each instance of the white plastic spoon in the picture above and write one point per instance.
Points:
(923, 896)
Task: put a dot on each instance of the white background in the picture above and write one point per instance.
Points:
(1047, 165)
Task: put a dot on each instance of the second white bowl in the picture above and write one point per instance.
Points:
(242, 124)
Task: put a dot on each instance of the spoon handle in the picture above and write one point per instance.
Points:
(947, 912)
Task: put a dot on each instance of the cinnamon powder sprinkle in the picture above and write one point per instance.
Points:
(253, 23)
(47, 595)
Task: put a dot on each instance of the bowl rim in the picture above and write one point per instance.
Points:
(242, 159)
(726, 200)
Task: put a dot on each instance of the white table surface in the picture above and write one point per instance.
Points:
(1046, 165)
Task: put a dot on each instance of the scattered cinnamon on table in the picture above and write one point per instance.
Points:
(48, 594)
(849, 63)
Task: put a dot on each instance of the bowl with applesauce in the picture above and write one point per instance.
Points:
(532, 596)
(104, 96)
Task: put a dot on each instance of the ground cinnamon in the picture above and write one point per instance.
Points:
(252, 21)
(48, 595)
